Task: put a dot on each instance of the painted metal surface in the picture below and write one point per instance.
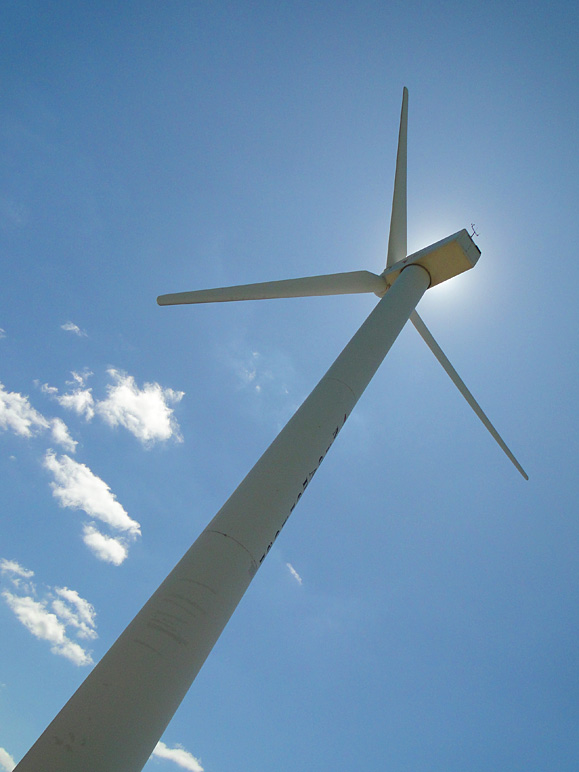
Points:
(397, 247)
(461, 386)
(347, 283)
(443, 260)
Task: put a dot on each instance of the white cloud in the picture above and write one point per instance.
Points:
(18, 415)
(34, 615)
(71, 327)
(80, 378)
(75, 611)
(17, 575)
(144, 412)
(6, 761)
(179, 755)
(45, 625)
(73, 651)
(77, 487)
(12, 567)
(61, 435)
(294, 573)
(79, 400)
(105, 548)
(2, 333)
(69, 610)
(46, 389)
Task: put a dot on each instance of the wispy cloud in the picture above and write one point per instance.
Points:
(107, 548)
(143, 412)
(79, 399)
(69, 610)
(262, 371)
(294, 573)
(75, 611)
(77, 487)
(61, 435)
(179, 756)
(262, 374)
(18, 416)
(15, 570)
(7, 763)
(46, 389)
(45, 625)
(247, 370)
(2, 333)
(268, 376)
(74, 328)
(18, 576)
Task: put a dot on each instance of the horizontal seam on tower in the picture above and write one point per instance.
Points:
(333, 378)
(227, 536)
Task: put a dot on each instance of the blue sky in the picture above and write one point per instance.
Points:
(420, 611)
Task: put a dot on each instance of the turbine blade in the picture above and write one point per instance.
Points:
(459, 383)
(397, 237)
(330, 284)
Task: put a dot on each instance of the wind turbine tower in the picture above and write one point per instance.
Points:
(115, 718)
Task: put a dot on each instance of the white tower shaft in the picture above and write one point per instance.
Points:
(114, 720)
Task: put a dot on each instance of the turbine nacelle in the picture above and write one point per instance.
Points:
(443, 260)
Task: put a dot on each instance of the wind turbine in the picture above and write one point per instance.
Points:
(115, 718)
